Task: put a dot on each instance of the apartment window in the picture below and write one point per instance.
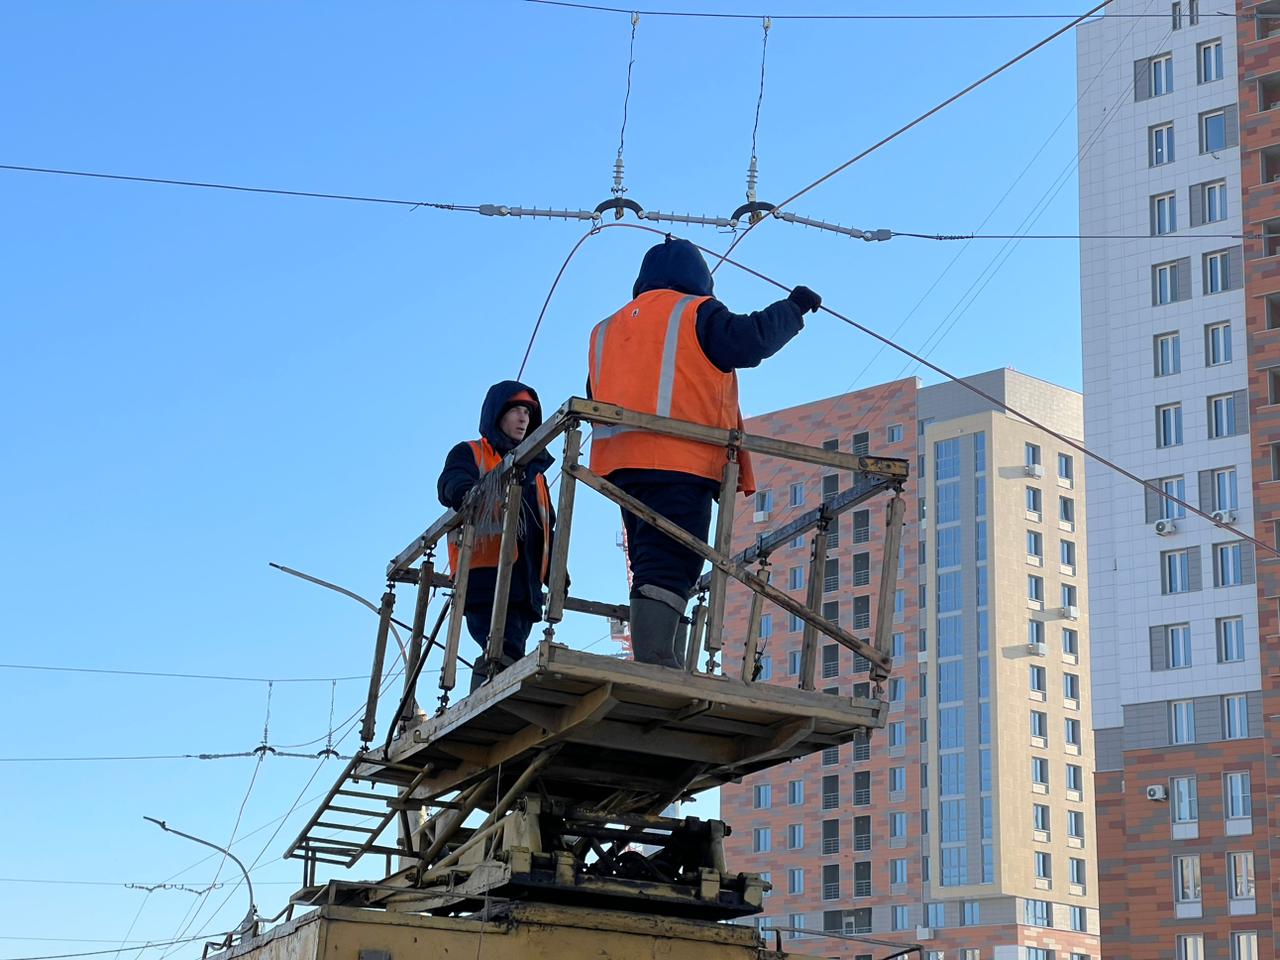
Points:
(1071, 686)
(861, 444)
(796, 498)
(795, 836)
(1168, 426)
(1169, 505)
(1039, 724)
(1066, 510)
(1075, 824)
(1222, 416)
(1167, 283)
(1071, 731)
(795, 578)
(1240, 875)
(1067, 553)
(1228, 560)
(935, 915)
(1035, 543)
(898, 871)
(1070, 642)
(1190, 947)
(1186, 879)
(1209, 61)
(1177, 646)
(1235, 717)
(1035, 500)
(1193, 12)
(1066, 467)
(1037, 679)
(762, 796)
(761, 840)
(1076, 870)
(1175, 11)
(831, 790)
(1164, 214)
(1031, 454)
(1039, 953)
(1213, 202)
(1222, 271)
(764, 501)
(1215, 132)
(795, 792)
(897, 825)
(1035, 588)
(1037, 913)
(899, 917)
(1040, 816)
(1244, 946)
(1035, 631)
(1236, 801)
(1182, 721)
(1217, 344)
(1184, 806)
(795, 880)
(1168, 354)
(830, 487)
(1224, 489)
(894, 433)
(1175, 572)
(1161, 144)
(1075, 777)
(897, 779)
(1040, 771)
(1230, 632)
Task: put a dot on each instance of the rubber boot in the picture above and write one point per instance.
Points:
(653, 632)
(682, 641)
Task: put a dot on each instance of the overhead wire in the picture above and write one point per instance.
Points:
(715, 15)
(913, 123)
(149, 945)
(175, 676)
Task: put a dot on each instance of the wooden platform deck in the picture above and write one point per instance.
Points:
(618, 725)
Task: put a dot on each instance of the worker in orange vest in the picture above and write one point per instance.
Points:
(673, 351)
(511, 411)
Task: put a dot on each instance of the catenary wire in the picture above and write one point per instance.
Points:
(913, 123)
(412, 204)
(174, 676)
(712, 15)
(151, 945)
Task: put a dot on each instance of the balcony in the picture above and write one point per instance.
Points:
(862, 888)
(861, 534)
(831, 891)
(830, 801)
(830, 845)
(862, 798)
(862, 841)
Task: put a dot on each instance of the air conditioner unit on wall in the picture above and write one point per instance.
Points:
(1223, 516)
(1165, 527)
(1035, 470)
(1158, 792)
(1037, 649)
(760, 516)
(1071, 613)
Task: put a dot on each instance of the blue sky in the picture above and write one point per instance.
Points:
(194, 383)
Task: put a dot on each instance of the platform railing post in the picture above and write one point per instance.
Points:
(894, 517)
(753, 627)
(367, 727)
(426, 573)
(506, 561)
(697, 628)
(813, 600)
(557, 587)
(449, 670)
(722, 545)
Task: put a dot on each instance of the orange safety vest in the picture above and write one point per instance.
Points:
(488, 543)
(646, 358)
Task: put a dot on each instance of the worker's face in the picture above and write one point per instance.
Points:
(515, 422)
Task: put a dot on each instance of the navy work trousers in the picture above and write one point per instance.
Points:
(656, 559)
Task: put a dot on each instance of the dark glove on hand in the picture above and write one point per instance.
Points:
(805, 299)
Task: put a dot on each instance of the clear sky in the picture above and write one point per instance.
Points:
(194, 383)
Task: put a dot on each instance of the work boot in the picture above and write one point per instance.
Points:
(480, 670)
(682, 641)
(655, 619)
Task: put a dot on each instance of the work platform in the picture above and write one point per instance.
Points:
(553, 781)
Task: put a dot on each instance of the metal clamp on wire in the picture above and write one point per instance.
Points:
(618, 205)
(755, 209)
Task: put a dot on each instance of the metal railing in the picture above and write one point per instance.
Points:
(496, 502)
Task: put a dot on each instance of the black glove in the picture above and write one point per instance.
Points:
(805, 299)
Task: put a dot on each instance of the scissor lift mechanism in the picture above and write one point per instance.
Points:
(567, 759)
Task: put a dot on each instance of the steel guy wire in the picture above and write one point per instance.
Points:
(918, 120)
(1042, 204)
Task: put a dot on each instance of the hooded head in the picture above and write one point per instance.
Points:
(502, 396)
(674, 265)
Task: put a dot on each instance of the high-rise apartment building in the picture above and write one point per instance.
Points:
(967, 824)
(1180, 151)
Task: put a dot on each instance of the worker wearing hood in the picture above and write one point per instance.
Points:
(511, 411)
(673, 351)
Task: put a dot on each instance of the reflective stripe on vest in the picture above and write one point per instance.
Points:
(487, 547)
(646, 358)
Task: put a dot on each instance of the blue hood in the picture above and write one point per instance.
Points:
(491, 413)
(674, 265)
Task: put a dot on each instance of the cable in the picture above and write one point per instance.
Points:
(1073, 236)
(97, 953)
(537, 325)
(128, 884)
(412, 204)
(764, 53)
(618, 189)
(172, 756)
(918, 120)
(708, 15)
(175, 676)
